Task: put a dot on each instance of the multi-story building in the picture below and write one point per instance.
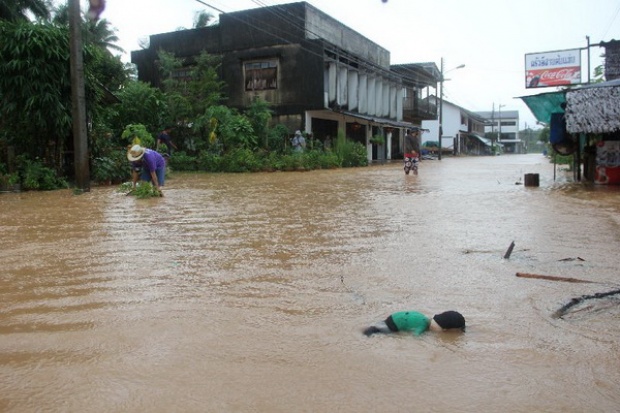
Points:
(317, 74)
(462, 131)
(503, 126)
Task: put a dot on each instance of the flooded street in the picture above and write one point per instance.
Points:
(249, 292)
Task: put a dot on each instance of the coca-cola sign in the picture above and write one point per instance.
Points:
(559, 68)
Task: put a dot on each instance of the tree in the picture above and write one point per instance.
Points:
(18, 10)
(190, 89)
(202, 19)
(35, 89)
(259, 115)
(139, 103)
(98, 32)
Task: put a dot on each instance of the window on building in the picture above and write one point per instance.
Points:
(261, 75)
(509, 123)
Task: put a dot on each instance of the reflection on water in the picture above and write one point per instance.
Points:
(248, 292)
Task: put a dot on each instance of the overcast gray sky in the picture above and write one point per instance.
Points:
(491, 37)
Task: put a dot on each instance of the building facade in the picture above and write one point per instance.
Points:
(458, 126)
(503, 126)
(317, 74)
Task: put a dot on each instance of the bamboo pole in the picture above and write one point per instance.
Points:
(552, 278)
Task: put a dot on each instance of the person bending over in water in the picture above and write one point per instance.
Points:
(417, 323)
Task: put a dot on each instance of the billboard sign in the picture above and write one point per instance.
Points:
(558, 68)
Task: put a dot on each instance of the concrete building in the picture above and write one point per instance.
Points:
(317, 74)
(459, 124)
(503, 127)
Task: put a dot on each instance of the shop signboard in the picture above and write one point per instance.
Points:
(557, 68)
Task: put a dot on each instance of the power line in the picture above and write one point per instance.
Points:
(611, 22)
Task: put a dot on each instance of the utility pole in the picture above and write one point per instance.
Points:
(493, 128)
(441, 80)
(78, 98)
(440, 110)
(499, 127)
(588, 40)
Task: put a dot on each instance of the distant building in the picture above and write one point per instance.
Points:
(462, 130)
(317, 74)
(503, 126)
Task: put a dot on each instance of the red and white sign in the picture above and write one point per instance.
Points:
(559, 68)
(607, 163)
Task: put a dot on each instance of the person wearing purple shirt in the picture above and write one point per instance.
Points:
(148, 164)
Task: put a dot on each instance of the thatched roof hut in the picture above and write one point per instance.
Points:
(594, 108)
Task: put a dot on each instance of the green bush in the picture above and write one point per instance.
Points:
(137, 134)
(112, 167)
(209, 161)
(37, 176)
(181, 161)
(329, 160)
(241, 160)
(350, 153)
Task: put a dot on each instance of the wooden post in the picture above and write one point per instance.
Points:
(532, 180)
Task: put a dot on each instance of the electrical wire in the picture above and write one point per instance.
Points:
(611, 22)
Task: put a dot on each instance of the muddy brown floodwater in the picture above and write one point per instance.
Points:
(248, 293)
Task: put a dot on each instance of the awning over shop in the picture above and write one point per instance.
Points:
(544, 104)
(482, 139)
(381, 121)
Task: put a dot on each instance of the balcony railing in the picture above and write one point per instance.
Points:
(414, 107)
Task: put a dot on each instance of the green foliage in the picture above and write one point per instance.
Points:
(544, 134)
(349, 153)
(137, 134)
(139, 103)
(204, 86)
(143, 190)
(36, 90)
(8, 181)
(16, 10)
(217, 122)
(329, 160)
(259, 116)
(242, 133)
(277, 137)
(561, 159)
(202, 19)
(37, 176)
(599, 74)
(181, 161)
(34, 80)
(190, 89)
(241, 160)
(209, 161)
(146, 190)
(110, 168)
(377, 140)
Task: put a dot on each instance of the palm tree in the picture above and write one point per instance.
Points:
(102, 34)
(99, 32)
(16, 10)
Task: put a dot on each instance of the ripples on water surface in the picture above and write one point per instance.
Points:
(249, 292)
